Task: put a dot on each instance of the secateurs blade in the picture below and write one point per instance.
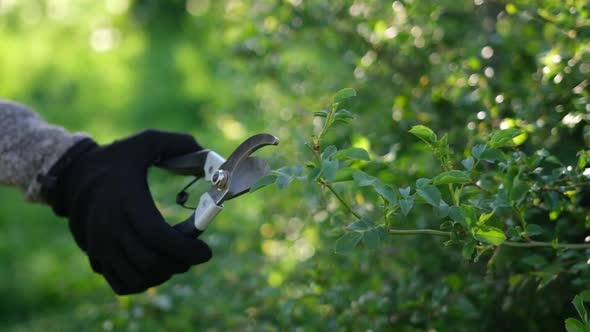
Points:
(229, 177)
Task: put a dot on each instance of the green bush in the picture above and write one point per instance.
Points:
(446, 190)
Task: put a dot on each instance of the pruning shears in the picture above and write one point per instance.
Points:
(229, 178)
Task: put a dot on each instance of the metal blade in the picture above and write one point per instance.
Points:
(245, 175)
(240, 178)
(248, 147)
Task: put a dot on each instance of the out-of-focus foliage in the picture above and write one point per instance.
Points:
(223, 70)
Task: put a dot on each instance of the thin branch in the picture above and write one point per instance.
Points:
(492, 260)
(474, 184)
(431, 232)
(566, 187)
(328, 123)
(342, 201)
(531, 244)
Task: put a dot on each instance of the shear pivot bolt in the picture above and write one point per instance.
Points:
(219, 179)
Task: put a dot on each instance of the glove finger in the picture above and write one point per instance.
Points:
(147, 260)
(114, 281)
(155, 233)
(125, 279)
(77, 227)
(95, 264)
(109, 255)
(121, 273)
(95, 239)
(155, 145)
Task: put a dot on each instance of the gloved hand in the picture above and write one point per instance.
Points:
(103, 191)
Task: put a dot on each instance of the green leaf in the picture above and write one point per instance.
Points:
(574, 325)
(405, 192)
(289, 171)
(501, 199)
(583, 159)
(457, 215)
(492, 155)
(345, 174)
(520, 139)
(361, 225)
(443, 142)
(468, 163)
(533, 229)
(386, 192)
(343, 116)
(322, 113)
(536, 261)
(519, 190)
(548, 274)
(453, 176)
(515, 280)
(373, 237)
(424, 133)
(283, 181)
(363, 179)
(338, 119)
(513, 233)
(446, 225)
(406, 205)
(484, 217)
(511, 9)
(347, 242)
(580, 308)
(263, 182)
(489, 234)
(479, 251)
(469, 213)
(352, 154)
(314, 174)
(504, 138)
(344, 113)
(310, 164)
(478, 150)
(329, 152)
(421, 182)
(282, 171)
(468, 250)
(442, 211)
(585, 295)
(431, 195)
(329, 169)
(344, 94)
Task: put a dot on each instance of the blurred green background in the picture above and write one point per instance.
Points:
(226, 69)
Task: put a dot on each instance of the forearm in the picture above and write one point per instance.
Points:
(29, 146)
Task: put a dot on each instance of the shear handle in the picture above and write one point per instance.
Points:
(188, 228)
(188, 164)
(201, 218)
(201, 164)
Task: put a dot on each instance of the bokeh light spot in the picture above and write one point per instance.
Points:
(487, 52)
(197, 7)
(117, 7)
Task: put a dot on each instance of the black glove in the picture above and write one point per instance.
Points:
(103, 191)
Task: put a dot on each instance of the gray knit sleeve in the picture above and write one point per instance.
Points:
(29, 146)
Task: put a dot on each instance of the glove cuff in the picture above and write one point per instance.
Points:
(52, 189)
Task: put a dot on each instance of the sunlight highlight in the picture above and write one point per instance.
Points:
(117, 7)
(231, 128)
(7, 5)
(104, 39)
(197, 7)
